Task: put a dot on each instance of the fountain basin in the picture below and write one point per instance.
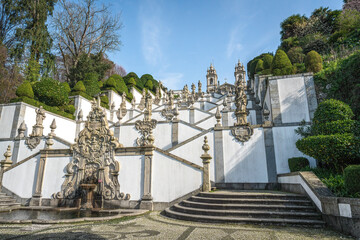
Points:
(48, 215)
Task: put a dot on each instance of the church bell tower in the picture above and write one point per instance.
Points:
(211, 79)
(239, 73)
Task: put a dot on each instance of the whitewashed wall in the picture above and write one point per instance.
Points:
(245, 162)
(21, 179)
(162, 134)
(185, 132)
(293, 100)
(131, 175)
(6, 120)
(54, 175)
(285, 148)
(172, 179)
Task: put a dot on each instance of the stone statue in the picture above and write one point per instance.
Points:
(40, 116)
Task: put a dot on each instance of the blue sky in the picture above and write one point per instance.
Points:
(176, 40)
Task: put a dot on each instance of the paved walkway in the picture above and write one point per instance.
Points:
(155, 226)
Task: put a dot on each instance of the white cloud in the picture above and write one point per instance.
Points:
(151, 32)
(172, 80)
(234, 44)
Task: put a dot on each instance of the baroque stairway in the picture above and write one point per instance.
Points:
(7, 203)
(248, 207)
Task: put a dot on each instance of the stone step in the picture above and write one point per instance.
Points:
(247, 220)
(247, 213)
(252, 195)
(7, 200)
(270, 207)
(250, 201)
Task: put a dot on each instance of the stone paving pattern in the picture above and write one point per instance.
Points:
(156, 226)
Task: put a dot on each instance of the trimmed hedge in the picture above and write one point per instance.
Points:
(332, 110)
(259, 66)
(25, 90)
(69, 109)
(79, 87)
(35, 103)
(51, 92)
(313, 62)
(337, 151)
(149, 85)
(281, 64)
(297, 163)
(352, 178)
(335, 127)
(91, 84)
(267, 59)
(66, 87)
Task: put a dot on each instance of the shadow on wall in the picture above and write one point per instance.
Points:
(248, 160)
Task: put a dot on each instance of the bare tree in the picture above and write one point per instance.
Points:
(84, 27)
(116, 69)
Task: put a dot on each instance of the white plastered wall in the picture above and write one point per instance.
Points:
(21, 179)
(185, 132)
(245, 162)
(293, 100)
(172, 179)
(285, 148)
(54, 175)
(6, 120)
(131, 175)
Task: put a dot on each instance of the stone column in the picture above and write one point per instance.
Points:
(192, 115)
(36, 198)
(206, 187)
(225, 117)
(147, 199)
(270, 154)
(174, 132)
(6, 163)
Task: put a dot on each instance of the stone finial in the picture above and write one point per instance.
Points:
(225, 104)
(176, 113)
(53, 127)
(206, 147)
(193, 88)
(206, 187)
(112, 107)
(21, 130)
(80, 115)
(218, 117)
(7, 161)
(199, 87)
(133, 102)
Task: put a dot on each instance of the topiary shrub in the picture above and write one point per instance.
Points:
(352, 178)
(69, 109)
(267, 59)
(79, 87)
(313, 62)
(281, 64)
(149, 85)
(51, 92)
(298, 163)
(296, 55)
(100, 84)
(299, 67)
(110, 84)
(104, 99)
(131, 82)
(259, 66)
(25, 90)
(332, 110)
(66, 87)
(333, 138)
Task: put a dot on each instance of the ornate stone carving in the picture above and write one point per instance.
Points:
(80, 116)
(93, 160)
(157, 96)
(7, 161)
(121, 112)
(37, 132)
(49, 142)
(218, 117)
(142, 100)
(168, 112)
(21, 130)
(199, 89)
(242, 131)
(146, 125)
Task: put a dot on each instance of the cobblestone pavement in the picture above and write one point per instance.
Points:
(155, 226)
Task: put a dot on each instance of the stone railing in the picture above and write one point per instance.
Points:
(342, 214)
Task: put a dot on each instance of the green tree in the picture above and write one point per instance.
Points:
(33, 35)
(259, 66)
(291, 26)
(267, 61)
(281, 64)
(131, 82)
(51, 92)
(313, 62)
(149, 84)
(25, 90)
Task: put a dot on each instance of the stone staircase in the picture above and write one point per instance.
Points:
(7, 203)
(249, 207)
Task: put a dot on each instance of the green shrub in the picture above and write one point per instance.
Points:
(267, 59)
(352, 178)
(336, 151)
(259, 66)
(51, 92)
(110, 83)
(336, 184)
(35, 103)
(299, 67)
(25, 90)
(313, 62)
(66, 87)
(104, 99)
(100, 84)
(83, 94)
(266, 72)
(91, 84)
(332, 110)
(131, 82)
(149, 84)
(69, 109)
(296, 55)
(281, 64)
(297, 163)
(79, 87)
(335, 127)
